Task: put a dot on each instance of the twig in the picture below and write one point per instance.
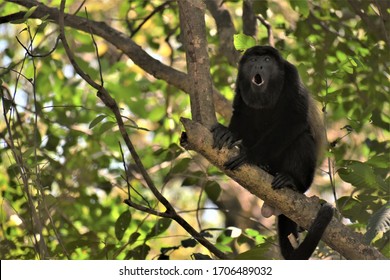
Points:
(97, 51)
(155, 11)
(271, 40)
(37, 227)
(125, 168)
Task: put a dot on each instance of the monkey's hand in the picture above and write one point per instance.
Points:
(222, 136)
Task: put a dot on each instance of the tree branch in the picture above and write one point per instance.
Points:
(271, 40)
(193, 30)
(296, 206)
(249, 24)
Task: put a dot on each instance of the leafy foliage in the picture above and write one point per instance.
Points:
(62, 155)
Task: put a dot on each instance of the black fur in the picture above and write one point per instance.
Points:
(271, 126)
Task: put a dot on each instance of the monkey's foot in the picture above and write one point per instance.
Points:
(282, 180)
(236, 161)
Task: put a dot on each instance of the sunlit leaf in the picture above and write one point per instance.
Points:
(243, 42)
(106, 126)
(29, 12)
(97, 120)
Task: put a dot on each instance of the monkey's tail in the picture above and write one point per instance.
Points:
(313, 237)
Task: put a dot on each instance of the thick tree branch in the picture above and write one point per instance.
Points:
(193, 30)
(248, 18)
(296, 206)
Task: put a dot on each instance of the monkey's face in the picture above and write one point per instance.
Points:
(260, 79)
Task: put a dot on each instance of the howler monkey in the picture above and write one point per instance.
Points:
(276, 126)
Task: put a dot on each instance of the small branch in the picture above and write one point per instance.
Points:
(271, 40)
(155, 11)
(148, 210)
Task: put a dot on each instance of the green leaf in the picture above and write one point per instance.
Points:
(97, 120)
(224, 238)
(255, 235)
(45, 17)
(161, 226)
(133, 237)
(29, 12)
(52, 142)
(213, 190)
(181, 166)
(106, 126)
(301, 6)
(258, 253)
(189, 243)
(7, 105)
(199, 256)
(379, 222)
(138, 253)
(379, 161)
(353, 209)
(121, 224)
(362, 175)
(27, 153)
(224, 248)
(243, 42)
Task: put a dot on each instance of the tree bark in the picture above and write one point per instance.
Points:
(193, 32)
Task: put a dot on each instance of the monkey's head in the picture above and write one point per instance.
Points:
(260, 77)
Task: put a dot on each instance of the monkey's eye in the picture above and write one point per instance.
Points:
(267, 59)
(253, 59)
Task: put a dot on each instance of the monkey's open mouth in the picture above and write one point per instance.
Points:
(257, 80)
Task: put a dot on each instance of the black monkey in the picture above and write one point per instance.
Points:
(277, 127)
